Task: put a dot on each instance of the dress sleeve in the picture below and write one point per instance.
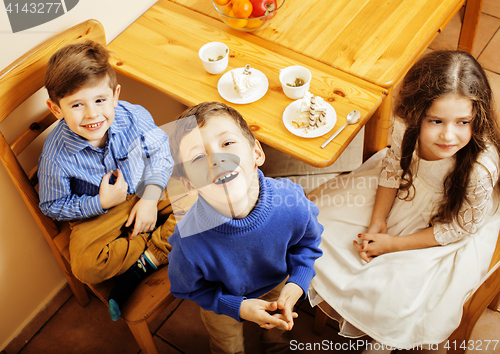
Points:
(390, 175)
(479, 195)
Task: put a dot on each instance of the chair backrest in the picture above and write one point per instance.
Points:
(20, 81)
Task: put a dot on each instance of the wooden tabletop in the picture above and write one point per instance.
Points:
(372, 39)
(160, 49)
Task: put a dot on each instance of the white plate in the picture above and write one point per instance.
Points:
(292, 112)
(228, 92)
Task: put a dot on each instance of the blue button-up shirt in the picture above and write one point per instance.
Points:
(70, 170)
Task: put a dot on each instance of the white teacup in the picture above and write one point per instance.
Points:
(215, 57)
(288, 77)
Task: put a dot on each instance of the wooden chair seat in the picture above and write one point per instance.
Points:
(18, 82)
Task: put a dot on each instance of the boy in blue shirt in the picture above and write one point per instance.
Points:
(104, 167)
(245, 250)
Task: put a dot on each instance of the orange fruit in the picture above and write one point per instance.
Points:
(228, 9)
(242, 9)
(236, 23)
(222, 2)
(254, 23)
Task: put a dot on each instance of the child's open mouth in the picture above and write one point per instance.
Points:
(228, 177)
(93, 126)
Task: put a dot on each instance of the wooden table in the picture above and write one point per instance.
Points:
(372, 39)
(160, 49)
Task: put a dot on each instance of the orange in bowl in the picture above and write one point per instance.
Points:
(238, 14)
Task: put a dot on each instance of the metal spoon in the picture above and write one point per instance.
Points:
(352, 118)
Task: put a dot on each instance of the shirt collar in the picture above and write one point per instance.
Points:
(73, 142)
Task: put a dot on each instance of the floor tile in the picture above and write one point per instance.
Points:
(487, 27)
(164, 347)
(491, 7)
(75, 329)
(494, 80)
(489, 57)
(448, 38)
(163, 316)
(185, 330)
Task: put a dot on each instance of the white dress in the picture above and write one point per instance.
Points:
(408, 298)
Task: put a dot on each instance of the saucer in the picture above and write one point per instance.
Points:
(228, 92)
(292, 112)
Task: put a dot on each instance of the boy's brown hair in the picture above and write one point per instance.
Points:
(202, 112)
(76, 66)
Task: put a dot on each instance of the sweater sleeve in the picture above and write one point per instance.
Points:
(188, 282)
(301, 256)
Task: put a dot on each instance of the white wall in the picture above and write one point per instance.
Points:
(29, 275)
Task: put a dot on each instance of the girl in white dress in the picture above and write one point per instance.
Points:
(410, 234)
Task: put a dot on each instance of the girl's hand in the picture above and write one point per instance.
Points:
(112, 194)
(144, 213)
(373, 245)
(258, 311)
(377, 227)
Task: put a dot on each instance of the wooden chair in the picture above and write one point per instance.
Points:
(487, 294)
(18, 82)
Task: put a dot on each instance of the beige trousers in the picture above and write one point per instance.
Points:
(226, 334)
(99, 246)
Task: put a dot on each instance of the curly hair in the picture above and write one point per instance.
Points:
(434, 75)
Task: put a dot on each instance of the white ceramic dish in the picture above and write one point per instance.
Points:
(292, 112)
(227, 91)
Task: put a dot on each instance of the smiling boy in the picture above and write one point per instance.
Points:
(103, 167)
(246, 248)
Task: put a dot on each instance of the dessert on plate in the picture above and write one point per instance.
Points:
(312, 113)
(245, 82)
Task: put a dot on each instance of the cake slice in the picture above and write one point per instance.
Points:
(312, 113)
(245, 82)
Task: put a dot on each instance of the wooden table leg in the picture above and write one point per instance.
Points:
(377, 128)
(469, 25)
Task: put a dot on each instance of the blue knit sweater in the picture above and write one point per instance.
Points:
(218, 262)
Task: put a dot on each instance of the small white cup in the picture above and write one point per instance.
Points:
(289, 75)
(210, 54)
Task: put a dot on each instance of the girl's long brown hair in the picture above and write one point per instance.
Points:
(434, 75)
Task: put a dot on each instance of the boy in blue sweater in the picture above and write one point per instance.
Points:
(245, 250)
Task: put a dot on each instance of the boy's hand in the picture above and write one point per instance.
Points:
(112, 194)
(258, 311)
(145, 211)
(289, 296)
